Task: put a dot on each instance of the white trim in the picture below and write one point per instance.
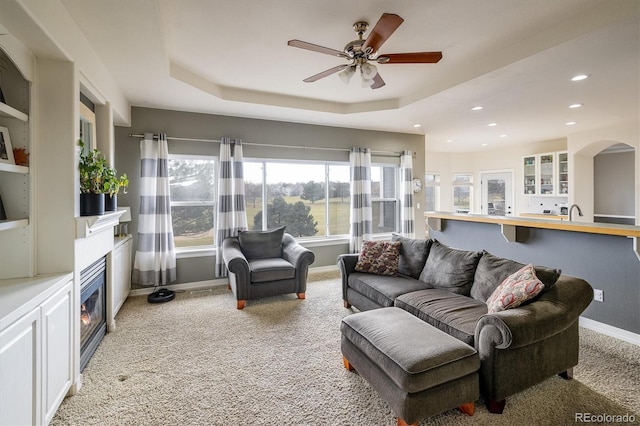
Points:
(321, 269)
(186, 253)
(609, 330)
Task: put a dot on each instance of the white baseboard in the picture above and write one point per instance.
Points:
(203, 285)
(609, 330)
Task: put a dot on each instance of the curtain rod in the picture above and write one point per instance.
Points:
(387, 153)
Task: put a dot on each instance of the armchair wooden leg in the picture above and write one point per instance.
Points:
(346, 304)
(228, 286)
(241, 304)
(301, 296)
(496, 407)
(401, 422)
(567, 374)
(469, 408)
(347, 364)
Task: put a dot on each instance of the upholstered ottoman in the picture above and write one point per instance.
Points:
(419, 370)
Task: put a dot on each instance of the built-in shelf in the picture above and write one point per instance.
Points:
(88, 225)
(9, 111)
(13, 168)
(6, 225)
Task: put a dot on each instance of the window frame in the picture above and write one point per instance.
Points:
(199, 249)
(463, 184)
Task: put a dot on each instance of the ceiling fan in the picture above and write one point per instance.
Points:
(361, 52)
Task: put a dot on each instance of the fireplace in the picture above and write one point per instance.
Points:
(93, 314)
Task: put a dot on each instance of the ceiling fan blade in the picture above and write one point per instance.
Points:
(410, 58)
(315, 48)
(386, 25)
(324, 74)
(378, 82)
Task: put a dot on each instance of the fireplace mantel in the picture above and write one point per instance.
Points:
(86, 226)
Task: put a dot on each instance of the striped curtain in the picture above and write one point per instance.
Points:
(231, 215)
(360, 216)
(155, 259)
(407, 214)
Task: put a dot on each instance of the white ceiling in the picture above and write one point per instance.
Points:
(515, 58)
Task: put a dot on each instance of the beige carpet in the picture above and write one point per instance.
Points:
(198, 361)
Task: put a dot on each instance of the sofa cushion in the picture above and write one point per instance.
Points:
(450, 269)
(261, 244)
(516, 289)
(379, 257)
(413, 255)
(274, 269)
(452, 313)
(492, 270)
(383, 289)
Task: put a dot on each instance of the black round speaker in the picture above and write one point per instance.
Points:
(161, 296)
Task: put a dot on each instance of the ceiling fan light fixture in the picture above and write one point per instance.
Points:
(368, 71)
(346, 74)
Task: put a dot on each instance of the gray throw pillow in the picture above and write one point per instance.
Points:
(413, 255)
(492, 270)
(450, 269)
(261, 244)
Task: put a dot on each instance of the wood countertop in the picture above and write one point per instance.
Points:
(542, 223)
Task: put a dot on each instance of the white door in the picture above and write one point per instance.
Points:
(497, 193)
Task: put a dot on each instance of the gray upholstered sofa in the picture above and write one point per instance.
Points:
(448, 288)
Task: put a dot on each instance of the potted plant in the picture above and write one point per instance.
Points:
(112, 185)
(92, 166)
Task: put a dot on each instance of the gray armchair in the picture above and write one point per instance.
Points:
(264, 264)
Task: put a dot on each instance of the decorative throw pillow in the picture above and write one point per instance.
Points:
(413, 255)
(516, 289)
(379, 257)
(261, 244)
(492, 270)
(450, 269)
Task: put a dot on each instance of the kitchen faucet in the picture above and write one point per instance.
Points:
(571, 210)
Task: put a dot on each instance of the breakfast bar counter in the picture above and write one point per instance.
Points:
(605, 255)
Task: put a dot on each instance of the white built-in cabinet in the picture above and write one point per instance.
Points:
(121, 278)
(36, 316)
(546, 174)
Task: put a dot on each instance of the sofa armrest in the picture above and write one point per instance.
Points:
(553, 312)
(299, 256)
(234, 258)
(347, 265)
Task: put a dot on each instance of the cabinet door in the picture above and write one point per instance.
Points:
(547, 174)
(20, 371)
(530, 175)
(563, 173)
(57, 316)
(122, 285)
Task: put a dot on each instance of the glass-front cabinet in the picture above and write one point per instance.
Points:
(546, 174)
(530, 175)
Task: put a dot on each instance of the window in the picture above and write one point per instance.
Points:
(432, 192)
(312, 199)
(462, 193)
(384, 201)
(192, 189)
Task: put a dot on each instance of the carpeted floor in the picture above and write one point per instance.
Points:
(198, 361)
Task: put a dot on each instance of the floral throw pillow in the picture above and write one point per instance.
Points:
(379, 257)
(517, 288)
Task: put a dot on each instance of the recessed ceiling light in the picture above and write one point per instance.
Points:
(449, 140)
(492, 124)
(417, 125)
(503, 136)
(575, 105)
(485, 144)
(477, 108)
(571, 123)
(579, 77)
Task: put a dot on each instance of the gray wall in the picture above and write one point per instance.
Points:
(614, 183)
(607, 262)
(206, 126)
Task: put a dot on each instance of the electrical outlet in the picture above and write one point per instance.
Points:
(598, 295)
